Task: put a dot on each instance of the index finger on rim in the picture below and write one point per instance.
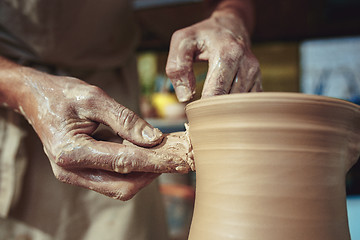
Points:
(219, 79)
(248, 78)
(179, 66)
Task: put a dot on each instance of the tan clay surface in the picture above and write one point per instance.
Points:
(175, 149)
(272, 166)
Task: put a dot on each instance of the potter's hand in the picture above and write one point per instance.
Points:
(66, 111)
(224, 42)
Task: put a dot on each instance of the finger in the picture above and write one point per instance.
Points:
(258, 83)
(115, 185)
(179, 66)
(222, 70)
(119, 158)
(124, 122)
(248, 78)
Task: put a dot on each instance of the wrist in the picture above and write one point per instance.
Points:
(11, 86)
(240, 10)
(15, 86)
(234, 24)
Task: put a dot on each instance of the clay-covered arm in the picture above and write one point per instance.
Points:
(65, 112)
(223, 40)
(242, 8)
(12, 89)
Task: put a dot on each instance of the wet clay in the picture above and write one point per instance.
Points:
(272, 166)
(175, 149)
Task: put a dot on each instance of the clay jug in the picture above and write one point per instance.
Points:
(272, 166)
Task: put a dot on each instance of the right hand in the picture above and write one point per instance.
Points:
(224, 42)
(66, 111)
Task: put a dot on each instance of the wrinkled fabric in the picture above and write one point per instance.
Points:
(79, 33)
(93, 41)
(12, 159)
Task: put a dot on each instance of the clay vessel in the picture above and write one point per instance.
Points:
(272, 166)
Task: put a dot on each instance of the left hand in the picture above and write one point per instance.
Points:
(223, 41)
(66, 112)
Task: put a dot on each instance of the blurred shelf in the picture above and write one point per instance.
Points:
(280, 20)
(168, 126)
(145, 4)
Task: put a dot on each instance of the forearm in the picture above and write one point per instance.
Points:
(22, 88)
(240, 8)
(12, 84)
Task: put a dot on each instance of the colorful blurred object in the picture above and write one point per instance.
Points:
(147, 70)
(167, 106)
(331, 67)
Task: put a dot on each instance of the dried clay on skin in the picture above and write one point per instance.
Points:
(174, 148)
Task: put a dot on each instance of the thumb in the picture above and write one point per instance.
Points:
(127, 124)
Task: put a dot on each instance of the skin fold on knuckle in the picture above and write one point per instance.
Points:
(69, 156)
(85, 94)
(177, 71)
(126, 118)
(123, 163)
(227, 59)
(254, 64)
(253, 74)
(218, 83)
(124, 194)
(218, 90)
(181, 54)
(232, 53)
(179, 35)
(93, 92)
(63, 159)
(258, 82)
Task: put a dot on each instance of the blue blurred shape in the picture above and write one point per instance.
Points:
(353, 206)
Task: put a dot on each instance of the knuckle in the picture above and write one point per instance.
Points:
(126, 117)
(63, 159)
(254, 68)
(93, 93)
(94, 90)
(176, 71)
(219, 91)
(68, 156)
(123, 194)
(232, 55)
(254, 62)
(122, 164)
(87, 97)
(178, 35)
(214, 91)
(237, 46)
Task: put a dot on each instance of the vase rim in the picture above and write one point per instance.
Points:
(271, 96)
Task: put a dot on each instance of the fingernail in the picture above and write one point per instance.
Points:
(183, 93)
(151, 134)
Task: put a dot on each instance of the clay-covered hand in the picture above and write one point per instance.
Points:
(66, 111)
(224, 42)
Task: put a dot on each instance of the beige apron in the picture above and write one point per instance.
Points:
(86, 40)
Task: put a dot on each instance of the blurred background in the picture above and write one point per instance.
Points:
(309, 46)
